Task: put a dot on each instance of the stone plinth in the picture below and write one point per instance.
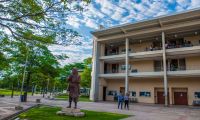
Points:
(71, 112)
(19, 107)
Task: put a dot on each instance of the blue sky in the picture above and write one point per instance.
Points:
(115, 12)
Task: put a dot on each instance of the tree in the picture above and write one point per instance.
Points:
(86, 74)
(27, 27)
(39, 20)
(66, 71)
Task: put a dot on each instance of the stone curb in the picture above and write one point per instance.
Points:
(13, 116)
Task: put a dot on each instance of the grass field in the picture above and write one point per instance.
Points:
(8, 92)
(49, 113)
(81, 98)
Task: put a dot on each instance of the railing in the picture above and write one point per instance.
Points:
(155, 69)
(189, 67)
(151, 48)
(172, 46)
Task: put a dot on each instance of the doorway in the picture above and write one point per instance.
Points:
(122, 90)
(104, 93)
(115, 68)
(180, 96)
(159, 96)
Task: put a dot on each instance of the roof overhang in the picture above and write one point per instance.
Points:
(189, 19)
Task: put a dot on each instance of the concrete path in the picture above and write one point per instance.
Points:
(136, 112)
(140, 111)
(7, 105)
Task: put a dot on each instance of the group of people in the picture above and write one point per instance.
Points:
(123, 99)
(185, 43)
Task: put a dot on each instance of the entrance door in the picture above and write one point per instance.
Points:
(180, 98)
(104, 93)
(161, 97)
(122, 89)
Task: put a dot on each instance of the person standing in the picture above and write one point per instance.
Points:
(120, 100)
(126, 101)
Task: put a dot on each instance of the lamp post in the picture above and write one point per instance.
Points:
(24, 74)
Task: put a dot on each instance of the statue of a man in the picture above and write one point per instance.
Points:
(74, 87)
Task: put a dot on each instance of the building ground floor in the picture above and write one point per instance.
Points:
(181, 90)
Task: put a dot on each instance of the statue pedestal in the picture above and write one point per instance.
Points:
(71, 112)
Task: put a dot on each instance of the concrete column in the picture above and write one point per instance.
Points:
(127, 66)
(165, 70)
(102, 50)
(102, 53)
(95, 71)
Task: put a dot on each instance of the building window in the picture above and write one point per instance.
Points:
(158, 66)
(133, 94)
(112, 93)
(123, 67)
(145, 94)
(197, 94)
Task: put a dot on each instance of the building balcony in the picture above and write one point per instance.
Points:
(112, 75)
(146, 54)
(185, 71)
(191, 50)
(111, 57)
(183, 50)
(189, 71)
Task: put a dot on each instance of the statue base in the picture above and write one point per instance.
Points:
(71, 112)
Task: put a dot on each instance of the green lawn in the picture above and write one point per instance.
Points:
(49, 113)
(81, 98)
(8, 92)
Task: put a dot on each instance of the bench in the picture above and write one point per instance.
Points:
(196, 102)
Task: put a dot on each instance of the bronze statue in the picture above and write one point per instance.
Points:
(74, 88)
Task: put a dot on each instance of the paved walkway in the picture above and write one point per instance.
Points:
(136, 112)
(7, 105)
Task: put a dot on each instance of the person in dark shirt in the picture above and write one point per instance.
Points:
(126, 101)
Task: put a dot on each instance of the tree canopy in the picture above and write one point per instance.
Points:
(27, 28)
(39, 20)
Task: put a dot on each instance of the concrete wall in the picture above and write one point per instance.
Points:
(193, 63)
(143, 65)
(149, 85)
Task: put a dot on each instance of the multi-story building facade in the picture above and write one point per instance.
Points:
(157, 61)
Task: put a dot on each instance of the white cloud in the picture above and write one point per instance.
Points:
(183, 3)
(118, 14)
(91, 23)
(106, 6)
(74, 52)
(195, 3)
(73, 21)
(109, 13)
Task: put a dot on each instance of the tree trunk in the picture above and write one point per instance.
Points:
(27, 86)
(12, 90)
(33, 87)
(43, 91)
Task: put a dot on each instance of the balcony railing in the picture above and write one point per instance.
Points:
(152, 48)
(155, 69)
(172, 46)
(192, 70)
